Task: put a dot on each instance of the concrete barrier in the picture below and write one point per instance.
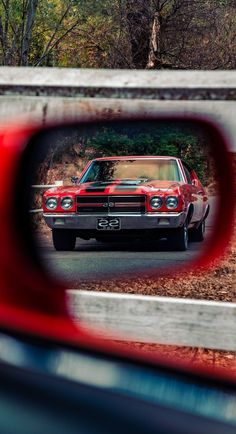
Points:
(46, 94)
(162, 320)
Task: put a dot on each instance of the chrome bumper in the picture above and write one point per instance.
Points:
(128, 221)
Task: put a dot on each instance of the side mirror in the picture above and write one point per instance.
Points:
(195, 182)
(122, 231)
(74, 179)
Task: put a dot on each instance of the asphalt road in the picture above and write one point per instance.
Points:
(94, 261)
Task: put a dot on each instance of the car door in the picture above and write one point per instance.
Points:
(196, 192)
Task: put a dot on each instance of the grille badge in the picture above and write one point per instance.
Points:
(111, 204)
(108, 204)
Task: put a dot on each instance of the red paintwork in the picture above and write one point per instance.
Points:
(31, 302)
(186, 193)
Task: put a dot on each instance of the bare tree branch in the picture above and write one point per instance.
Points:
(162, 5)
(55, 31)
(56, 42)
(2, 40)
(6, 15)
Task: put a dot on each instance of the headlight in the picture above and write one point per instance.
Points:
(171, 202)
(51, 203)
(156, 202)
(66, 203)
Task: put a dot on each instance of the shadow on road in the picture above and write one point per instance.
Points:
(131, 246)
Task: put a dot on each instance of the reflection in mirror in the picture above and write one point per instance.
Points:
(123, 200)
(127, 207)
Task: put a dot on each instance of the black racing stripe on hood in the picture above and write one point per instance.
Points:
(96, 187)
(122, 185)
(95, 190)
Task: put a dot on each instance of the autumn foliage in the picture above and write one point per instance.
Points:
(134, 34)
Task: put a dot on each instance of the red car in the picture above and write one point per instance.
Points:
(118, 198)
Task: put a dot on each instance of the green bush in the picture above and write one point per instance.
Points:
(188, 145)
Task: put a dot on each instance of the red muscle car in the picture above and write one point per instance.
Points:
(118, 198)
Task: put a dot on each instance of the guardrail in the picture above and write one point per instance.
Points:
(42, 186)
(48, 94)
(36, 210)
(162, 320)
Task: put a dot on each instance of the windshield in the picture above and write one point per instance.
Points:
(112, 170)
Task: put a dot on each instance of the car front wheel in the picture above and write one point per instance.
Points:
(63, 239)
(179, 239)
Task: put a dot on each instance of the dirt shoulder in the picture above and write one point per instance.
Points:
(213, 359)
(217, 283)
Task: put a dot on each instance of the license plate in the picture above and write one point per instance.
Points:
(108, 224)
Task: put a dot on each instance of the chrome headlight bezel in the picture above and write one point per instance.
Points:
(171, 202)
(69, 200)
(50, 199)
(157, 199)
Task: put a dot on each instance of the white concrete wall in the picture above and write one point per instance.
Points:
(163, 320)
(44, 94)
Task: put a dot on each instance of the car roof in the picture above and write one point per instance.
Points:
(136, 157)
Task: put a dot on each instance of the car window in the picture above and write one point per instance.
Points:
(187, 173)
(164, 170)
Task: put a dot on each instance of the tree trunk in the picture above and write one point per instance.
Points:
(138, 17)
(30, 16)
(4, 35)
(154, 58)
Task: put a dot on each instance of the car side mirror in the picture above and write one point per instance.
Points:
(74, 179)
(117, 217)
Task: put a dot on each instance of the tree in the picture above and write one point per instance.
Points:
(182, 34)
(138, 15)
(29, 11)
(133, 34)
(16, 25)
(31, 29)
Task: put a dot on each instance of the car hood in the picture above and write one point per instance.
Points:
(116, 187)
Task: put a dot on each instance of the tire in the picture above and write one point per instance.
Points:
(198, 233)
(179, 240)
(63, 240)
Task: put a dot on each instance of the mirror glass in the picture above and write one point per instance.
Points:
(122, 201)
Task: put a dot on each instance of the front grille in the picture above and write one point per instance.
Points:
(111, 204)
